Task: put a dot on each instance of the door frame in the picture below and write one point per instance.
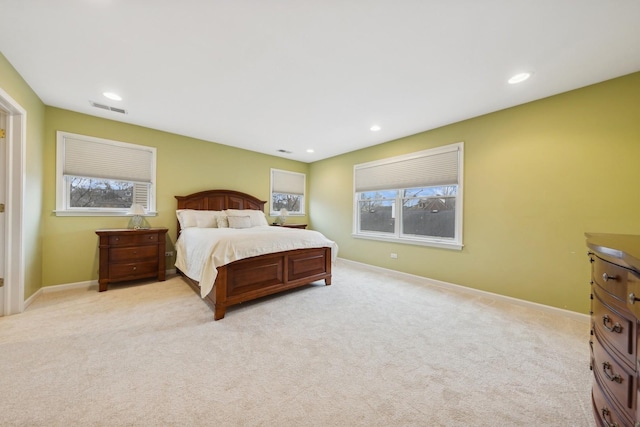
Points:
(16, 142)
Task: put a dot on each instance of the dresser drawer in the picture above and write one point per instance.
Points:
(616, 328)
(133, 239)
(633, 294)
(133, 270)
(133, 253)
(611, 278)
(619, 380)
(606, 413)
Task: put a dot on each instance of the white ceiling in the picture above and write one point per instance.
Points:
(266, 75)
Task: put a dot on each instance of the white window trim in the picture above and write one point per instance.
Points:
(304, 194)
(61, 191)
(455, 243)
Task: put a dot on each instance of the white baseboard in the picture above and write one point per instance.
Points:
(567, 313)
(66, 286)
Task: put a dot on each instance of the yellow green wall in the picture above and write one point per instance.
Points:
(15, 86)
(184, 166)
(536, 178)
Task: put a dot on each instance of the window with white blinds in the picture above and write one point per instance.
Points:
(417, 170)
(287, 192)
(414, 198)
(97, 176)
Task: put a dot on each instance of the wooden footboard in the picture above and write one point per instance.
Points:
(256, 277)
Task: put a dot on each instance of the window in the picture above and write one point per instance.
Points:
(97, 176)
(416, 198)
(287, 192)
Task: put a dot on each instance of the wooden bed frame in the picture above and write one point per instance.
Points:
(259, 276)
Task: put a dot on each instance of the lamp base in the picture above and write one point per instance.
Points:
(138, 222)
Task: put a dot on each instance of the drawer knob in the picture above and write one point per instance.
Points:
(606, 367)
(135, 268)
(632, 298)
(606, 277)
(616, 326)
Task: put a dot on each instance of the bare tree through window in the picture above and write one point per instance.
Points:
(99, 193)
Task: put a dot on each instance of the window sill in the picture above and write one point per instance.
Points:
(444, 244)
(97, 213)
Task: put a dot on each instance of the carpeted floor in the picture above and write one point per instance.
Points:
(373, 349)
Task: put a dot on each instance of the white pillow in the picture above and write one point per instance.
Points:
(258, 218)
(196, 218)
(239, 221)
(186, 218)
(208, 219)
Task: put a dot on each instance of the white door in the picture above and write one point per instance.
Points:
(3, 180)
(12, 151)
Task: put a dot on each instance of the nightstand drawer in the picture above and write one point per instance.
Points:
(133, 253)
(133, 239)
(133, 270)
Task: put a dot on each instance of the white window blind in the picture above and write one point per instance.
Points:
(116, 161)
(287, 182)
(422, 169)
(88, 169)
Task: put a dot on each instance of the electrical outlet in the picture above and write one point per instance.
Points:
(168, 253)
(394, 255)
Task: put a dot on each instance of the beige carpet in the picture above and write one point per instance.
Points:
(370, 350)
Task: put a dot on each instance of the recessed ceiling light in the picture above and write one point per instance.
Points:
(113, 96)
(375, 128)
(310, 150)
(519, 78)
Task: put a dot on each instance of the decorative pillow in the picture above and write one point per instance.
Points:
(239, 221)
(258, 218)
(223, 222)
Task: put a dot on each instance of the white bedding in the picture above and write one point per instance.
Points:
(200, 251)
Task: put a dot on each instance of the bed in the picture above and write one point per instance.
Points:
(223, 281)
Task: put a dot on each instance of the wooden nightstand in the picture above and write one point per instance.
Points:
(127, 254)
(291, 225)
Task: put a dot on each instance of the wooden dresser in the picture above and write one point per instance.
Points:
(127, 254)
(615, 309)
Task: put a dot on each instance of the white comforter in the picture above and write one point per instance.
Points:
(200, 251)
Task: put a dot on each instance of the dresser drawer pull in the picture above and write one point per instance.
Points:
(632, 298)
(616, 326)
(605, 413)
(606, 366)
(606, 277)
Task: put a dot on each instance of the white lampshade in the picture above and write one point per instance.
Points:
(137, 212)
(284, 212)
(137, 209)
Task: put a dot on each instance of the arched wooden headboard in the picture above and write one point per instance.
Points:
(219, 200)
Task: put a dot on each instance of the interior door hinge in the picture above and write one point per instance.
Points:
(1, 207)
(1, 282)
(3, 134)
